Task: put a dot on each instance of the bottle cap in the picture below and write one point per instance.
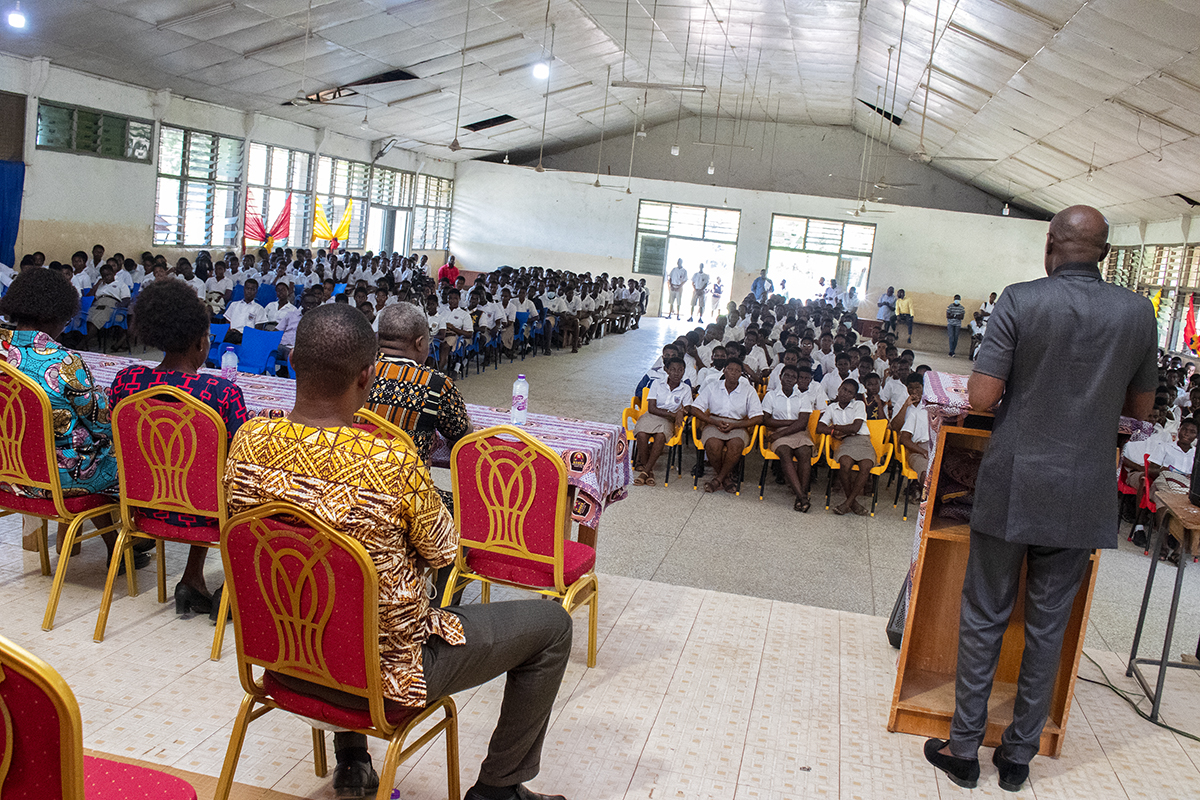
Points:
(520, 377)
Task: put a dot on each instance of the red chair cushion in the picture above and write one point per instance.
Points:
(181, 533)
(45, 508)
(112, 780)
(578, 559)
(316, 708)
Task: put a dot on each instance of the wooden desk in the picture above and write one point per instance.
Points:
(1184, 524)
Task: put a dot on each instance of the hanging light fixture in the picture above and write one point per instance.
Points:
(674, 149)
(541, 70)
(1004, 211)
(712, 167)
(15, 18)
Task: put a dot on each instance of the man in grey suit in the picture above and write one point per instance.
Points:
(1069, 354)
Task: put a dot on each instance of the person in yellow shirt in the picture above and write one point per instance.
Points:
(904, 312)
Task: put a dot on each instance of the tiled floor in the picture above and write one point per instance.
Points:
(741, 653)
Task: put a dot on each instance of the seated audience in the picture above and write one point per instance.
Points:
(169, 317)
(110, 295)
(386, 501)
(729, 410)
(40, 303)
(846, 421)
(665, 412)
(785, 414)
(914, 432)
(245, 312)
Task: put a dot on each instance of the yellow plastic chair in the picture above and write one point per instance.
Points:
(674, 448)
(768, 455)
(739, 471)
(883, 457)
(907, 475)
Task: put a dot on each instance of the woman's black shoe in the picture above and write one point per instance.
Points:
(962, 771)
(1012, 774)
(190, 599)
(215, 611)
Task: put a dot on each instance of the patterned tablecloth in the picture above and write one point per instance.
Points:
(596, 453)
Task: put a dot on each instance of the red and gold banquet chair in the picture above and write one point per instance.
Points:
(367, 420)
(305, 602)
(511, 504)
(170, 450)
(41, 742)
(883, 457)
(27, 458)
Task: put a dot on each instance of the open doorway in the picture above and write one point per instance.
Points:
(803, 251)
(717, 259)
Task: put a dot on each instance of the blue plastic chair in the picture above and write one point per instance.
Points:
(266, 295)
(258, 351)
(239, 292)
(133, 293)
(216, 335)
(519, 336)
(79, 324)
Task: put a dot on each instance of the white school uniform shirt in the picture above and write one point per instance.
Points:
(787, 407)
(734, 333)
(587, 306)
(82, 282)
(115, 290)
(240, 314)
(221, 285)
(634, 296)
(124, 278)
(708, 375)
(92, 269)
(669, 399)
(977, 328)
(834, 414)
(894, 392)
(987, 308)
(700, 282)
(825, 361)
(678, 276)
(459, 318)
(741, 403)
(1137, 451)
(276, 312)
(705, 351)
(832, 382)
(288, 324)
(516, 306)
(916, 424)
(1169, 456)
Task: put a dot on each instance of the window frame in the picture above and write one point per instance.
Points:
(436, 209)
(308, 213)
(184, 178)
(75, 149)
(665, 232)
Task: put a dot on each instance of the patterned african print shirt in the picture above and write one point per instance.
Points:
(78, 411)
(419, 400)
(377, 492)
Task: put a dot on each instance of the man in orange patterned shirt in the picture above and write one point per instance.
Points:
(380, 493)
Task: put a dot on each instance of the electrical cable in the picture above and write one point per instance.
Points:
(1126, 696)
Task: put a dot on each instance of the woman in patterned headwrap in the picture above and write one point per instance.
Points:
(41, 303)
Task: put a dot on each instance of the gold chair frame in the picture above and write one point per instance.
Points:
(396, 735)
(12, 470)
(390, 428)
(585, 590)
(168, 492)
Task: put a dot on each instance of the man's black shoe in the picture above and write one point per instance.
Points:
(519, 792)
(355, 779)
(1012, 774)
(963, 772)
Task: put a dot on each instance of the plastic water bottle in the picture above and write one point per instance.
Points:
(229, 364)
(520, 401)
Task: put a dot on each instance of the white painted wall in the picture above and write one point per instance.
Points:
(1173, 231)
(513, 215)
(74, 201)
(824, 161)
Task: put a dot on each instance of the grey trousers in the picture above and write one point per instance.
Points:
(1052, 580)
(528, 639)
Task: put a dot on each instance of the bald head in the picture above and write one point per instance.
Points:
(1077, 234)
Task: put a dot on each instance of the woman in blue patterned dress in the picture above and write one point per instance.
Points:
(40, 303)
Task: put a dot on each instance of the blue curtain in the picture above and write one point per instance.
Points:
(12, 186)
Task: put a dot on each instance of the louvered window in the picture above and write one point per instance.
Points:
(83, 130)
(338, 182)
(198, 188)
(272, 174)
(431, 213)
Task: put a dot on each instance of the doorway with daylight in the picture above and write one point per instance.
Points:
(668, 232)
(803, 251)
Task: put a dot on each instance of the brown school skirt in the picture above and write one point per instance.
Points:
(858, 447)
(713, 432)
(654, 425)
(793, 440)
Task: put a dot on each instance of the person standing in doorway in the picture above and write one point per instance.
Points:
(762, 287)
(1046, 491)
(699, 290)
(675, 281)
(954, 318)
(717, 291)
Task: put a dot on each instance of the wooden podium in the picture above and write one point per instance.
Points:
(923, 700)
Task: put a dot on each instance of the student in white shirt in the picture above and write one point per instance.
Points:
(977, 327)
(824, 356)
(785, 415)
(218, 289)
(110, 295)
(245, 312)
(756, 361)
(1134, 460)
(846, 421)
(93, 264)
(664, 415)
(452, 323)
(280, 307)
(832, 382)
(521, 304)
(1171, 462)
(729, 410)
(714, 371)
(914, 432)
(790, 356)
